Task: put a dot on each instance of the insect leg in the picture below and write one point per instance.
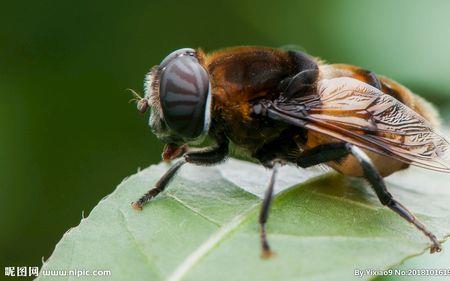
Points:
(317, 155)
(159, 186)
(322, 153)
(329, 152)
(207, 156)
(378, 185)
(264, 214)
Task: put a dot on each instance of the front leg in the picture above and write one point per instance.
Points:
(205, 157)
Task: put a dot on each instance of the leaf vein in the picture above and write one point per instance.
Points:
(136, 243)
(209, 244)
(171, 195)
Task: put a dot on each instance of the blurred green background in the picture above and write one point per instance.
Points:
(68, 135)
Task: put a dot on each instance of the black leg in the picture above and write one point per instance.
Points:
(264, 214)
(322, 153)
(318, 155)
(330, 152)
(159, 186)
(207, 156)
(378, 185)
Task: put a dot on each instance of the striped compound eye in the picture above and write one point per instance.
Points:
(185, 96)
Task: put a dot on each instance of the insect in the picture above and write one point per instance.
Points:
(283, 107)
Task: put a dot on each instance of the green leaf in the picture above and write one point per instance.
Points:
(204, 226)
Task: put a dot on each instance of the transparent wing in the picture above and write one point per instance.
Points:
(358, 113)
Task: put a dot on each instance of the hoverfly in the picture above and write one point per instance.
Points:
(283, 107)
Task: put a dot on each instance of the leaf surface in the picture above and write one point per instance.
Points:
(322, 226)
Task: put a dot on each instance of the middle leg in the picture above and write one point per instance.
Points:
(264, 214)
(318, 155)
